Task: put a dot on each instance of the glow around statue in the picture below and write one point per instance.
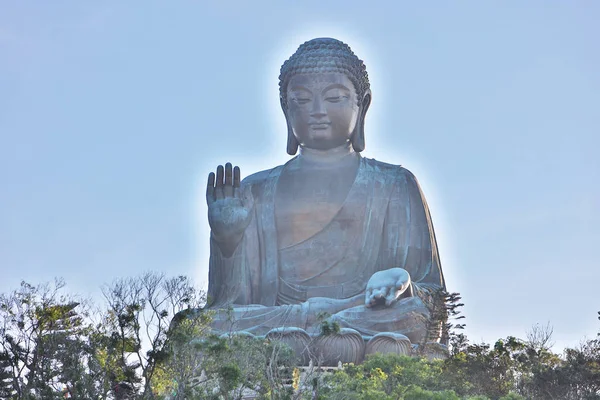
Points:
(330, 234)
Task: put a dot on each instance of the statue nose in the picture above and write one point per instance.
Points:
(318, 111)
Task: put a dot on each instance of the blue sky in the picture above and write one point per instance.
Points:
(113, 113)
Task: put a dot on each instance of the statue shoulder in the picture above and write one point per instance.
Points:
(259, 178)
(392, 171)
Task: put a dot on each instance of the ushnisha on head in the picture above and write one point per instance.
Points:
(325, 94)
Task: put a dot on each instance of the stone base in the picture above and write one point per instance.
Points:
(348, 346)
(345, 346)
(297, 339)
(389, 342)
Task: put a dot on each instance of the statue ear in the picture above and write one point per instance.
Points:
(358, 136)
(292, 142)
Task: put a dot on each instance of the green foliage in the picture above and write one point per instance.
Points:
(512, 396)
(417, 393)
(229, 376)
(445, 311)
(43, 344)
(227, 366)
(329, 328)
(389, 376)
(53, 347)
(512, 369)
(135, 331)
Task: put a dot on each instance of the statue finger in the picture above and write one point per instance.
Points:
(210, 188)
(368, 299)
(219, 183)
(385, 291)
(390, 298)
(228, 187)
(236, 177)
(220, 174)
(228, 174)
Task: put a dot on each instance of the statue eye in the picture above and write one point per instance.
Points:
(301, 100)
(335, 95)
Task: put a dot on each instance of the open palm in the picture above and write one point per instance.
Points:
(229, 207)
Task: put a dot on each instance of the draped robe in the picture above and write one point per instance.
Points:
(383, 223)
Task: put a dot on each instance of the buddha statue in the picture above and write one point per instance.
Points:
(329, 235)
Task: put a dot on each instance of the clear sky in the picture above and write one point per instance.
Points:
(112, 114)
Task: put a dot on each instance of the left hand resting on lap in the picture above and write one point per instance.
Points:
(387, 285)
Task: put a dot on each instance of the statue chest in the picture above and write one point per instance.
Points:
(307, 201)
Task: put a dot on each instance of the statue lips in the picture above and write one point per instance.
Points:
(320, 125)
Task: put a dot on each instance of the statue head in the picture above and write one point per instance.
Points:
(325, 94)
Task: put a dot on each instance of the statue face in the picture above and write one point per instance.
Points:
(322, 109)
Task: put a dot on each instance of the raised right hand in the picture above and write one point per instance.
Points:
(229, 210)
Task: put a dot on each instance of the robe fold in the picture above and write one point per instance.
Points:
(383, 223)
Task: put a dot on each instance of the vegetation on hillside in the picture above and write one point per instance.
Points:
(55, 345)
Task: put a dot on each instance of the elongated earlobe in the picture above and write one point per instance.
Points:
(292, 142)
(358, 137)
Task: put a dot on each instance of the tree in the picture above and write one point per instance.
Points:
(136, 325)
(445, 312)
(42, 339)
(389, 377)
(581, 371)
(6, 378)
(53, 346)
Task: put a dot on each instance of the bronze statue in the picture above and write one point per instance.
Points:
(328, 233)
